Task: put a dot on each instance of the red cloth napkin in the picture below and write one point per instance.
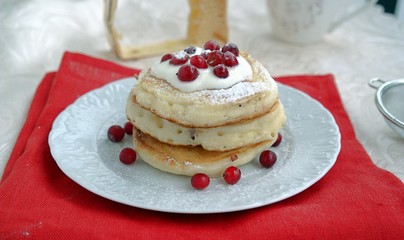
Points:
(355, 200)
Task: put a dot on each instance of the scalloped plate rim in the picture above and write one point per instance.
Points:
(55, 152)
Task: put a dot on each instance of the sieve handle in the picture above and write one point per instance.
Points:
(376, 83)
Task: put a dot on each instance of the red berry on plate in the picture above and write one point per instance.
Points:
(198, 61)
(278, 140)
(187, 73)
(127, 156)
(166, 57)
(215, 58)
(230, 60)
(221, 71)
(268, 158)
(211, 45)
(231, 47)
(116, 133)
(190, 50)
(200, 181)
(128, 127)
(179, 58)
(232, 175)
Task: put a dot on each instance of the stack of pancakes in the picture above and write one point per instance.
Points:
(206, 130)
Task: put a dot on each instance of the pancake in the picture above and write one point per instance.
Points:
(191, 160)
(243, 101)
(220, 138)
(206, 123)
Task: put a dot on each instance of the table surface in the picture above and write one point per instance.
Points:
(36, 33)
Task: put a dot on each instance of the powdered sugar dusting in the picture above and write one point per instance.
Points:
(238, 91)
(235, 93)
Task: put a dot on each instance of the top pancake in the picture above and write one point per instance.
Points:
(241, 102)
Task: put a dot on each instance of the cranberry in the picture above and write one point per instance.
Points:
(268, 158)
(187, 73)
(232, 175)
(198, 61)
(230, 60)
(204, 54)
(278, 140)
(127, 156)
(211, 45)
(128, 127)
(200, 181)
(166, 57)
(116, 133)
(221, 71)
(231, 47)
(215, 58)
(190, 50)
(179, 59)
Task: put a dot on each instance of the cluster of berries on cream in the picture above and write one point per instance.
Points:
(210, 67)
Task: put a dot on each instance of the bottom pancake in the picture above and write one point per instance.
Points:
(187, 160)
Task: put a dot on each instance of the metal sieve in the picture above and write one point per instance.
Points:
(390, 102)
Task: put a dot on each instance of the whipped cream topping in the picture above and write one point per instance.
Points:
(206, 79)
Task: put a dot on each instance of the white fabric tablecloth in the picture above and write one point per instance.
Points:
(34, 35)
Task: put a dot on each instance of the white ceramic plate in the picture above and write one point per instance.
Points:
(79, 144)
